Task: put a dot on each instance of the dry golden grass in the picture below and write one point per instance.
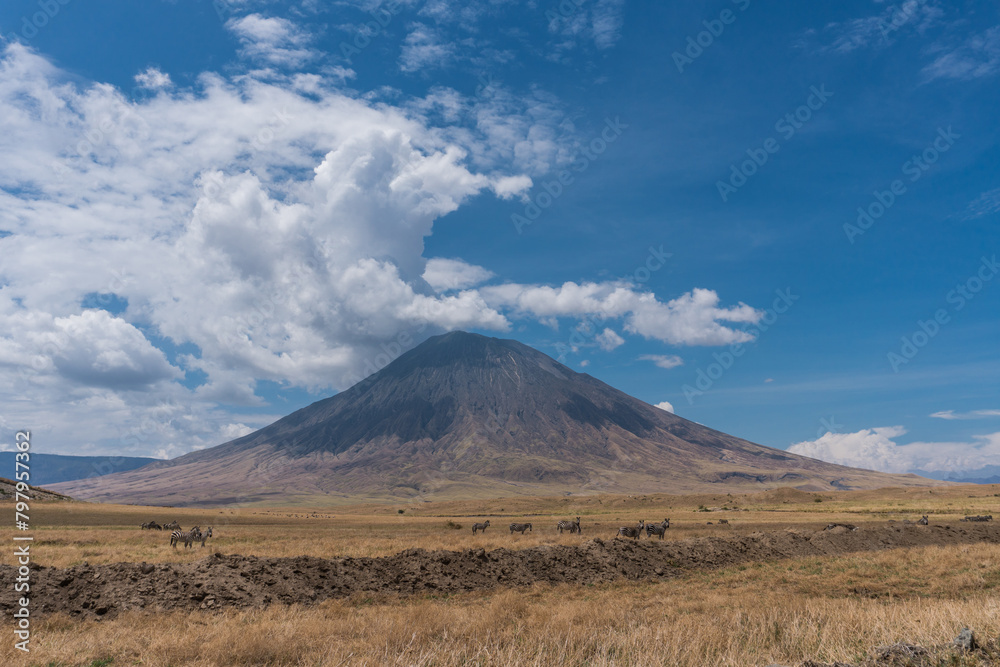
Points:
(751, 615)
(72, 533)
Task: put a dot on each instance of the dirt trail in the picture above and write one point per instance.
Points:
(219, 580)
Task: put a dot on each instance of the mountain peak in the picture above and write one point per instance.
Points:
(466, 414)
(458, 349)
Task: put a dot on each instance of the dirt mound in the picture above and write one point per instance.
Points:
(247, 581)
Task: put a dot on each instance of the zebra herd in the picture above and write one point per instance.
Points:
(634, 532)
(188, 537)
(573, 527)
(152, 525)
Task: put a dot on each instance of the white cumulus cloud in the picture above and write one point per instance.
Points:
(153, 79)
(973, 414)
(276, 41)
(424, 48)
(877, 449)
(609, 340)
(664, 360)
(257, 231)
(450, 274)
(694, 318)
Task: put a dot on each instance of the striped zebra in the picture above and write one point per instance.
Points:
(520, 528)
(204, 536)
(629, 531)
(571, 526)
(187, 536)
(923, 521)
(173, 525)
(476, 527)
(658, 528)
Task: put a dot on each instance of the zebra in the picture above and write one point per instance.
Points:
(923, 521)
(476, 527)
(173, 525)
(629, 531)
(520, 528)
(145, 526)
(187, 537)
(155, 526)
(657, 528)
(194, 536)
(204, 536)
(571, 526)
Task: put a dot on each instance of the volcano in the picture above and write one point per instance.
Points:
(465, 415)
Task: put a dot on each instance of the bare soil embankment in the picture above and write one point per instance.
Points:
(220, 581)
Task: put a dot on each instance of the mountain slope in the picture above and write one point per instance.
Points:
(466, 415)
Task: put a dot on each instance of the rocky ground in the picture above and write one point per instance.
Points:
(965, 650)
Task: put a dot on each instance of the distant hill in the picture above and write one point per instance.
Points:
(984, 475)
(52, 468)
(463, 415)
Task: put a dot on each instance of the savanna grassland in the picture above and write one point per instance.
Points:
(755, 613)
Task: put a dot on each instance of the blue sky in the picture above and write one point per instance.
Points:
(780, 221)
